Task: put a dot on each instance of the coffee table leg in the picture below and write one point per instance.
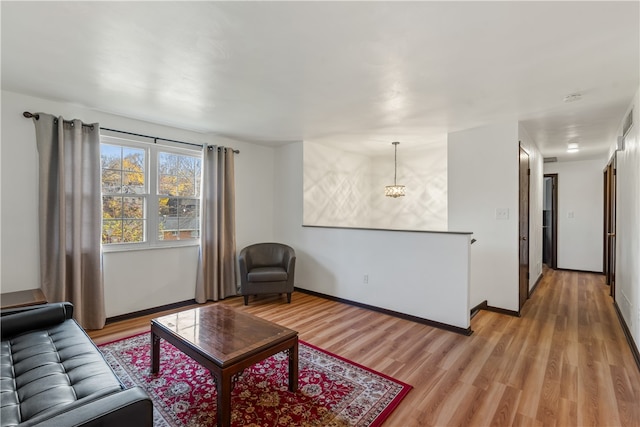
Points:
(293, 367)
(223, 386)
(155, 353)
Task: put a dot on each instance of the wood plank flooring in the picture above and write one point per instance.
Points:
(565, 362)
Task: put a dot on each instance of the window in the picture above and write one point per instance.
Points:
(150, 194)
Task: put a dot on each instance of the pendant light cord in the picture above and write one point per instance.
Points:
(395, 163)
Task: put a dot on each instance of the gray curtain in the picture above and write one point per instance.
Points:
(70, 216)
(216, 277)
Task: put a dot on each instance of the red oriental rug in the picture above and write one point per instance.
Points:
(332, 390)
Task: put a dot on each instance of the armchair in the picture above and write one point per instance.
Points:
(267, 268)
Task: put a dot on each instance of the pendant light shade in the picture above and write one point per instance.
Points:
(395, 190)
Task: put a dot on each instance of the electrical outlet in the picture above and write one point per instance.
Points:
(366, 279)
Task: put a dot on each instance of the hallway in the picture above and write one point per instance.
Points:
(567, 355)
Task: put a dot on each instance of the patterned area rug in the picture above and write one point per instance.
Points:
(332, 391)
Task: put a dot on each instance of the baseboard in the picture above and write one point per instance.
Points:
(485, 306)
(580, 271)
(416, 319)
(627, 334)
(503, 311)
(535, 285)
(475, 310)
(149, 311)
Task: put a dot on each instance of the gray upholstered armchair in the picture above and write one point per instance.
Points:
(267, 268)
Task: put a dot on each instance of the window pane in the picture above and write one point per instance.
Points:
(179, 218)
(133, 159)
(186, 186)
(167, 185)
(123, 169)
(122, 231)
(188, 208)
(111, 231)
(178, 175)
(167, 163)
(111, 181)
(133, 207)
(133, 182)
(133, 231)
(167, 206)
(111, 207)
(111, 156)
(124, 188)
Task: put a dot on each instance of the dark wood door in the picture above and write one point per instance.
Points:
(523, 225)
(550, 221)
(609, 264)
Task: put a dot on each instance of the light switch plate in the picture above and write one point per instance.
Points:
(502, 213)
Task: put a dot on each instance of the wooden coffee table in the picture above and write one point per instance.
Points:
(225, 341)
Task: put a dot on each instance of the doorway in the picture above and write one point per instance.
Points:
(550, 221)
(523, 226)
(609, 238)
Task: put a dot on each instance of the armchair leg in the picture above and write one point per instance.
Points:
(246, 299)
(289, 297)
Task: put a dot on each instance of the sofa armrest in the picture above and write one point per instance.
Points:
(19, 320)
(131, 407)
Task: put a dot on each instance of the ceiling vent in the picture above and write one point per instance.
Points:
(550, 159)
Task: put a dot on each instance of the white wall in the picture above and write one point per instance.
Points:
(483, 177)
(417, 273)
(345, 189)
(580, 222)
(134, 280)
(628, 225)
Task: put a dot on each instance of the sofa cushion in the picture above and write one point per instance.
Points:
(267, 274)
(45, 369)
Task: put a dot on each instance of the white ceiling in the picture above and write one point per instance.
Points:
(357, 74)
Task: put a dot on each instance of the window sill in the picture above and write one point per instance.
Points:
(146, 247)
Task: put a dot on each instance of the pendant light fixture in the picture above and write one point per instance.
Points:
(395, 190)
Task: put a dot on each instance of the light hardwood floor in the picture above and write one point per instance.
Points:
(565, 362)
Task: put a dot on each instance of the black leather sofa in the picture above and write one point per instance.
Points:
(52, 374)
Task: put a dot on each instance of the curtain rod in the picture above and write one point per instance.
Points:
(29, 115)
(155, 138)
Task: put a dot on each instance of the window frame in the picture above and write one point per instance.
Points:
(151, 196)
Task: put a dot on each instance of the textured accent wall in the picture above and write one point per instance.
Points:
(344, 189)
(424, 173)
(336, 187)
